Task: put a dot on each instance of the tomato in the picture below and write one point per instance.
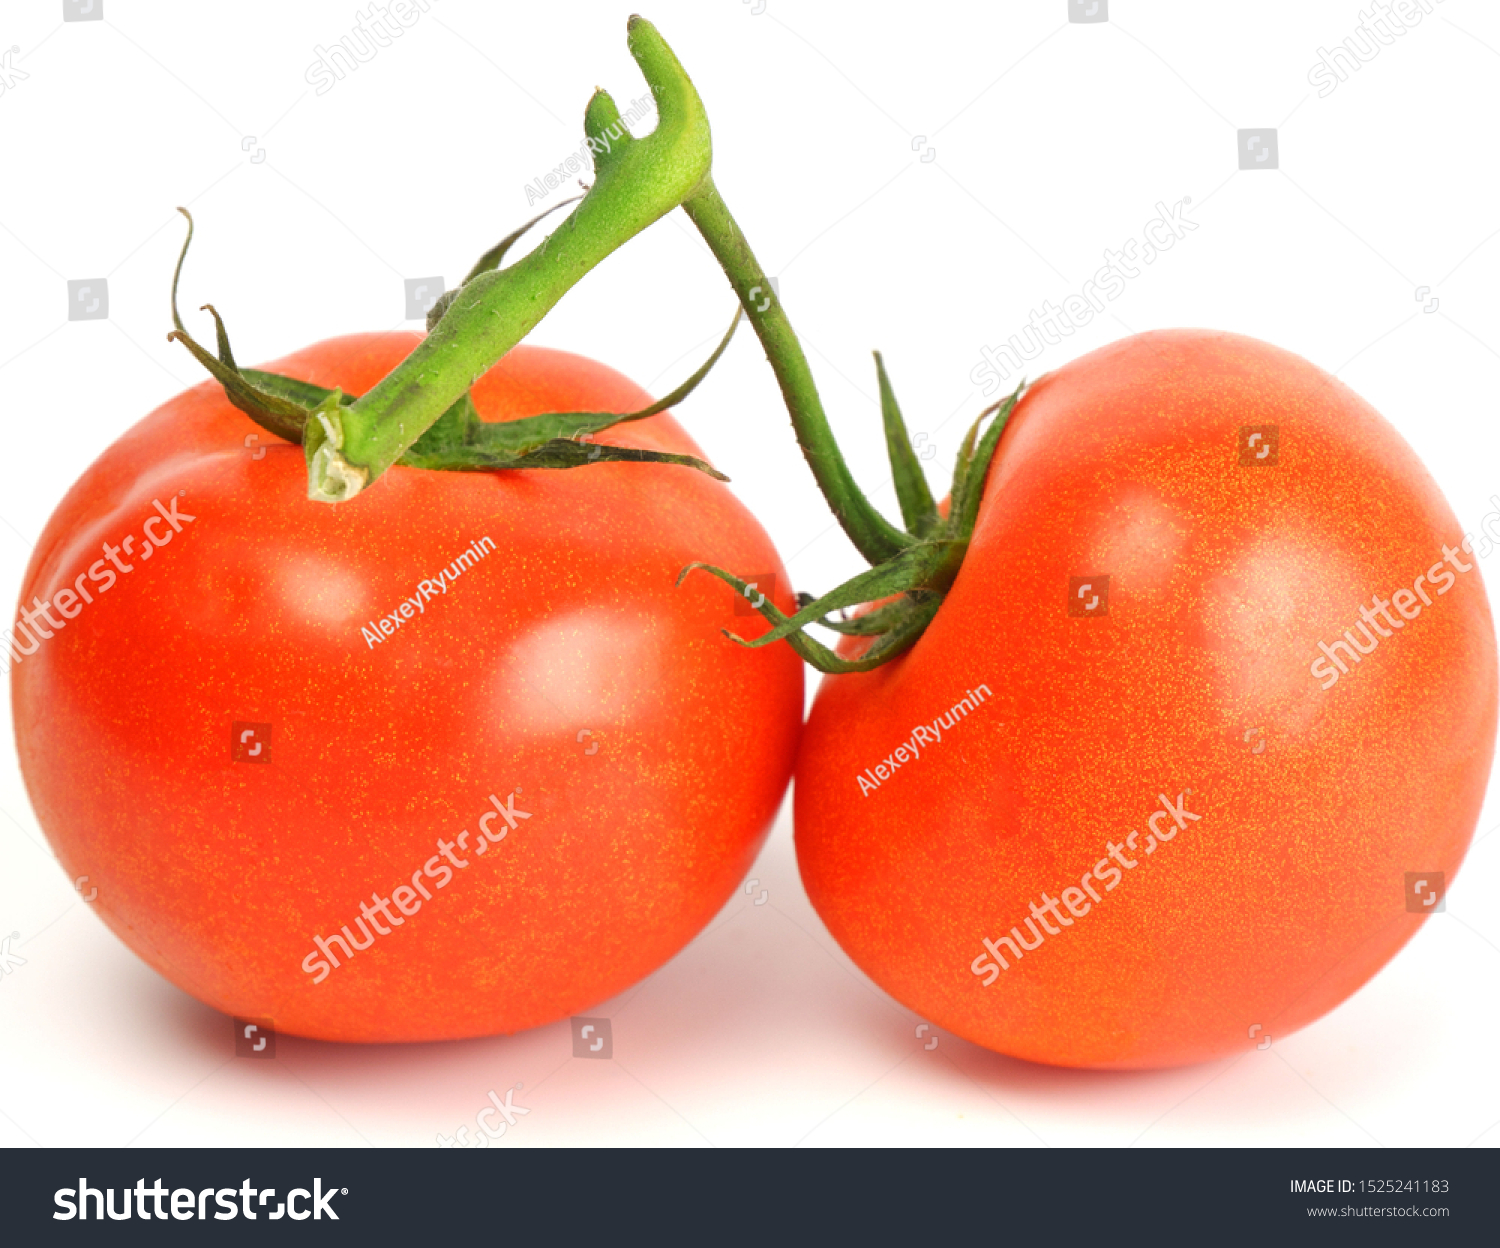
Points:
(1151, 789)
(303, 802)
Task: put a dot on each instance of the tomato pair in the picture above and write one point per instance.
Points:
(1146, 744)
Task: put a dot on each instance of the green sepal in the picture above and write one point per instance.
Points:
(458, 441)
(913, 568)
(557, 453)
(917, 578)
(886, 648)
(918, 614)
(516, 437)
(974, 465)
(304, 394)
(878, 620)
(918, 509)
(453, 427)
(270, 411)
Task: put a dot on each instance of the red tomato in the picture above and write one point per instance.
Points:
(1147, 819)
(245, 737)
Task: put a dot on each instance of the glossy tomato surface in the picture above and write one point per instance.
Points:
(1152, 789)
(490, 808)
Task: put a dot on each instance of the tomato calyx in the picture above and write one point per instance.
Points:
(914, 565)
(458, 441)
(904, 592)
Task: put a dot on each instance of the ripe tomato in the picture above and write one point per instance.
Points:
(1151, 789)
(246, 737)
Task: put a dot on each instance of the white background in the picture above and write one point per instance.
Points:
(1053, 141)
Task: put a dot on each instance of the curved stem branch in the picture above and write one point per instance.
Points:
(872, 534)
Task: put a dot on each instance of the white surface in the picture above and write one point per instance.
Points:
(1054, 141)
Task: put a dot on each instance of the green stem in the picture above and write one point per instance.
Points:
(637, 181)
(872, 534)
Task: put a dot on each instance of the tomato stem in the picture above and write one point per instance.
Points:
(872, 534)
(911, 571)
(636, 182)
(459, 440)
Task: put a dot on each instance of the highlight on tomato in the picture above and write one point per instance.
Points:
(359, 685)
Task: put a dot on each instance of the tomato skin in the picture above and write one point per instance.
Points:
(565, 667)
(1288, 893)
